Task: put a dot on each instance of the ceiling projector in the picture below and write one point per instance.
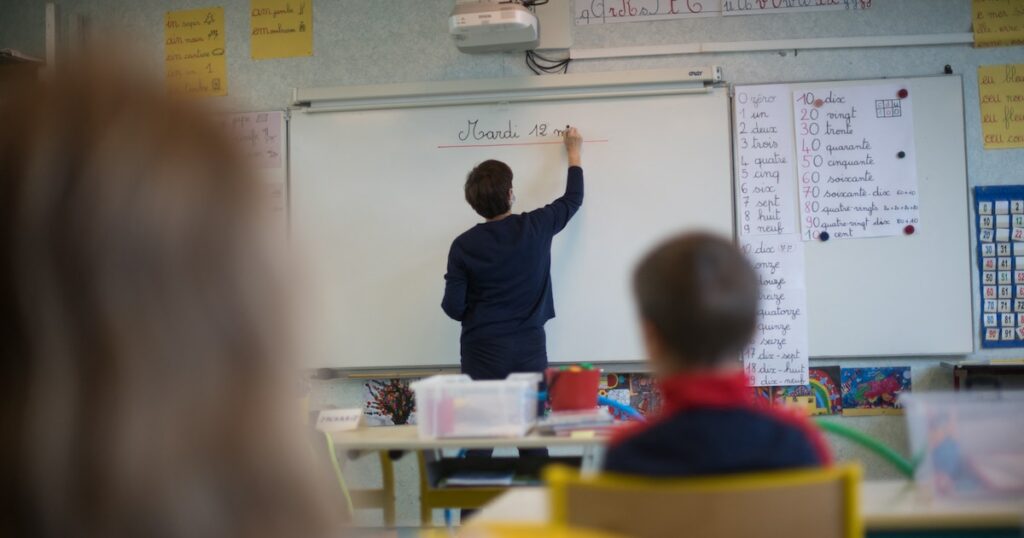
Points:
(493, 26)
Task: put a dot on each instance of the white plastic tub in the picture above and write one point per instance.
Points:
(970, 444)
(456, 406)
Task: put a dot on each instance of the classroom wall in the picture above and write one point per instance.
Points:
(383, 41)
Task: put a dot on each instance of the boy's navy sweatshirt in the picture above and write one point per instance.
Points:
(499, 273)
(709, 424)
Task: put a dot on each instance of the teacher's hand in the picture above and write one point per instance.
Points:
(573, 145)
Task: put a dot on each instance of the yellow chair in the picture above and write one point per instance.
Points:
(819, 502)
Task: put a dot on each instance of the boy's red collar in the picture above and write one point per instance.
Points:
(689, 390)
(706, 388)
(723, 390)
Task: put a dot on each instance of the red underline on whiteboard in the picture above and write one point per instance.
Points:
(515, 144)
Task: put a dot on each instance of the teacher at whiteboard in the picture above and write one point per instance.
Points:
(498, 282)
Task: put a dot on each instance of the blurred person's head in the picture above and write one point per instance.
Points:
(697, 297)
(144, 371)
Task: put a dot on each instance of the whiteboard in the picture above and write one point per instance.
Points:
(903, 295)
(377, 198)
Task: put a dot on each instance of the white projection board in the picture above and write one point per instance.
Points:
(377, 197)
(903, 295)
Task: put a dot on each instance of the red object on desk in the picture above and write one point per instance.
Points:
(572, 390)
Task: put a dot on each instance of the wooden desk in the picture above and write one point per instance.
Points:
(407, 438)
(899, 505)
(886, 506)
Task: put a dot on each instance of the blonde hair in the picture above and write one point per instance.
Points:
(144, 367)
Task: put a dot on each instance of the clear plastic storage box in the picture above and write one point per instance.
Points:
(456, 406)
(968, 444)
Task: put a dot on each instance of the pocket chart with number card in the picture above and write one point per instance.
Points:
(999, 221)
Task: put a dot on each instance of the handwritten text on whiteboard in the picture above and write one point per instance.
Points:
(473, 132)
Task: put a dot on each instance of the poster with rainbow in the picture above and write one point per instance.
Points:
(822, 395)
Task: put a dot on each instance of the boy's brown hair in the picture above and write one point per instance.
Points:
(487, 188)
(700, 294)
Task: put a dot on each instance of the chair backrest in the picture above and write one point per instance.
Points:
(819, 502)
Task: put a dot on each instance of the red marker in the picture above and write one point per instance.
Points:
(903, 93)
(909, 229)
(818, 103)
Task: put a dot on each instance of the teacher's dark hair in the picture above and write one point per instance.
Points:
(487, 188)
(701, 295)
(144, 365)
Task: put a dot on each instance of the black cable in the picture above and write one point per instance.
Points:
(538, 63)
(541, 64)
(561, 67)
(538, 66)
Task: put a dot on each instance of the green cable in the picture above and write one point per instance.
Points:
(338, 475)
(899, 462)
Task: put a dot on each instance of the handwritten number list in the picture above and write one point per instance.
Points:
(777, 356)
(765, 172)
(856, 161)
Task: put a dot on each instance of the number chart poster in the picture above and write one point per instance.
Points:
(999, 221)
(194, 52)
(856, 161)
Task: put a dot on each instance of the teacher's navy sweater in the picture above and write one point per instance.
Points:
(499, 273)
(710, 425)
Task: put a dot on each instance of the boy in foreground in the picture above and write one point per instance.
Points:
(697, 297)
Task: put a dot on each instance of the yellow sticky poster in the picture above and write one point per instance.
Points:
(194, 52)
(281, 28)
(998, 23)
(1001, 92)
